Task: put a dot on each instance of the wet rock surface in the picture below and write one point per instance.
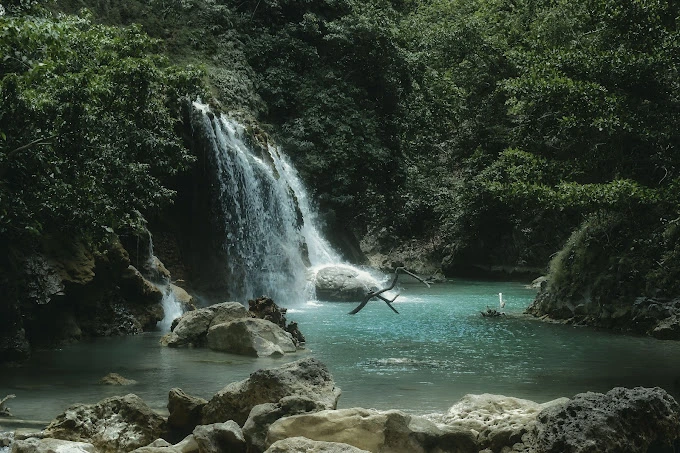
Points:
(307, 377)
(342, 284)
(113, 425)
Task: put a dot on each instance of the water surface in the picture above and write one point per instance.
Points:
(424, 359)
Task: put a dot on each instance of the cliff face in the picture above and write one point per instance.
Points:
(63, 291)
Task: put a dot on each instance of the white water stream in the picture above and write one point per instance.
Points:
(270, 230)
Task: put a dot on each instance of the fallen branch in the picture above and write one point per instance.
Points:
(4, 411)
(378, 294)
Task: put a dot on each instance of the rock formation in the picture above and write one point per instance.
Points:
(113, 425)
(306, 377)
(342, 284)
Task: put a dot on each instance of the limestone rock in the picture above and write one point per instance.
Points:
(249, 336)
(265, 308)
(138, 288)
(667, 329)
(185, 412)
(263, 415)
(116, 379)
(187, 445)
(495, 420)
(193, 326)
(304, 445)
(342, 284)
(181, 296)
(622, 420)
(113, 425)
(48, 445)
(220, 438)
(306, 377)
(377, 431)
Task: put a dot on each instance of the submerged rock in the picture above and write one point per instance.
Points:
(304, 445)
(116, 379)
(343, 284)
(306, 377)
(255, 337)
(113, 425)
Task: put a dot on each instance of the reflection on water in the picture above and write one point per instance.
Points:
(423, 360)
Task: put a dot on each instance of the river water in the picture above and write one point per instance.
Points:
(422, 360)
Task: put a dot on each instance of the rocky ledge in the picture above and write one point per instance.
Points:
(659, 318)
(293, 408)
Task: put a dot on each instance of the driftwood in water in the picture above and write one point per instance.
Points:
(378, 294)
(4, 411)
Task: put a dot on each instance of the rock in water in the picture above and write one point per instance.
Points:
(622, 420)
(306, 377)
(113, 425)
(254, 337)
(343, 284)
(192, 327)
(116, 379)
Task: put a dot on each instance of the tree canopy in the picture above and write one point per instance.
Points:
(88, 117)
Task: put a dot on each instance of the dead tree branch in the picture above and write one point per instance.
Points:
(378, 294)
(4, 411)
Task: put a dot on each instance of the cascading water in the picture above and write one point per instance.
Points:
(269, 232)
(172, 308)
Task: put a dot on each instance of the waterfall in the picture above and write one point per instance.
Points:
(172, 309)
(269, 232)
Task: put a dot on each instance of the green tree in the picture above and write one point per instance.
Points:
(87, 125)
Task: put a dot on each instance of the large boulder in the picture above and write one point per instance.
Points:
(342, 284)
(192, 327)
(249, 336)
(377, 431)
(263, 415)
(304, 445)
(495, 420)
(306, 377)
(220, 438)
(185, 413)
(48, 445)
(113, 425)
(622, 420)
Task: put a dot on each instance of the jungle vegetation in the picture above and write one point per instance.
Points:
(505, 131)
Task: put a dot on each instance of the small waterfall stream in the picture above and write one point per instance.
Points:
(269, 230)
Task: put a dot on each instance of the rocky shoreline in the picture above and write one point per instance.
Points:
(293, 408)
(655, 317)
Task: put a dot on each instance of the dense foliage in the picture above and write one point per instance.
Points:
(88, 118)
(499, 129)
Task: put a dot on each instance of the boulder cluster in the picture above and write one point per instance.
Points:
(229, 327)
(293, 408)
